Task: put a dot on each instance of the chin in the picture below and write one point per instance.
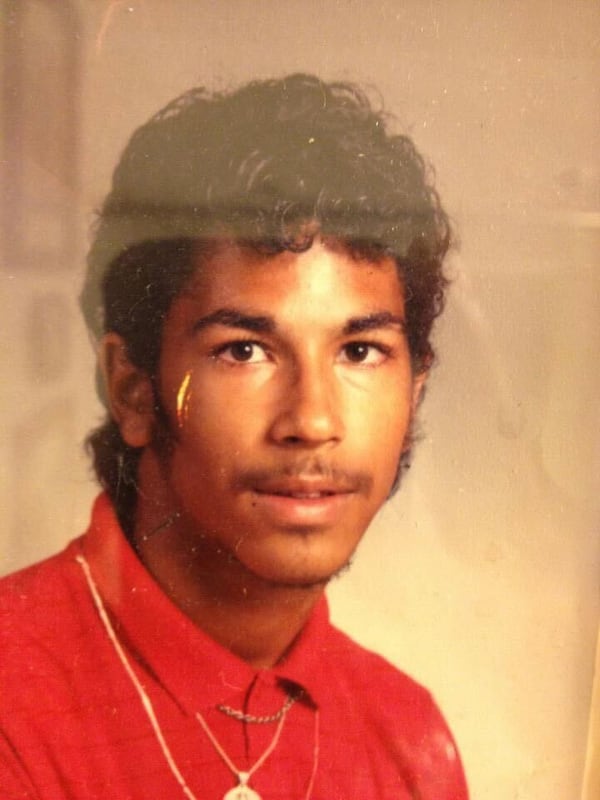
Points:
(300, 575)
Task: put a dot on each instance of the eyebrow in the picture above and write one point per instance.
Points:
(232, 318)
(258, 323)
(370, 322)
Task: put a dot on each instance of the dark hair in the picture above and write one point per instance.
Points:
(272, 164)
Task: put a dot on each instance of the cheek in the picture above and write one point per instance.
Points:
(213, 425)
(382, 414)
(384, 429)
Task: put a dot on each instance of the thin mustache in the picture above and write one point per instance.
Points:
(307, 469)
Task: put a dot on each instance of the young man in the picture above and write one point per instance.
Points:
(264, 276)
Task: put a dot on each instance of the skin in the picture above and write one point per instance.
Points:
(288, 392)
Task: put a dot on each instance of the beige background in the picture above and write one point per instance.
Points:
(481, 576)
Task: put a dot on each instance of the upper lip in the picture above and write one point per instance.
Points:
(304, 487)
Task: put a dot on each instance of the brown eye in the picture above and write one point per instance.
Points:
(357, 351)
(367, 354)
(243, 351)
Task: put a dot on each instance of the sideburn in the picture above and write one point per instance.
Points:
(165, 433)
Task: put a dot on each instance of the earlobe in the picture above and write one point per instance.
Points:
(129, 391)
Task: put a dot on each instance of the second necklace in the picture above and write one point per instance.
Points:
(242, 791)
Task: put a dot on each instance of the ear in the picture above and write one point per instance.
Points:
(129, 390)
(419, 381)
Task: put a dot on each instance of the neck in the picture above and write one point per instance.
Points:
(256, 619)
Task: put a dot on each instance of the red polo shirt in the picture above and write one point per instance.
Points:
(72, 724)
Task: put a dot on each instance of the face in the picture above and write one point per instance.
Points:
(288, 390)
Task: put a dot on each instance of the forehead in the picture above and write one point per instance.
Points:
(325, 277)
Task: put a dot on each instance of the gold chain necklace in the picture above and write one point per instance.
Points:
(241, 716)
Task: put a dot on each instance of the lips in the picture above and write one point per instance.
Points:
(305, 495)
(305, 486)
(303, 502)
(301, 494)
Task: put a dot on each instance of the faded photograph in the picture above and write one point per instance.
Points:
(301, 312)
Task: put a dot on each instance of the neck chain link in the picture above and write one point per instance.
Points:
(240, 792)
(241, 716)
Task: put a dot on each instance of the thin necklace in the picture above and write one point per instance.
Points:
(240, 792)
(241, 716)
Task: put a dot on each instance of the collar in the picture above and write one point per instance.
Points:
(197, 671)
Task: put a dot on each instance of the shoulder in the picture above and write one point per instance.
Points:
(42, 617)
(371, 673)
(399, 717)
(38, 596)
(47, 659)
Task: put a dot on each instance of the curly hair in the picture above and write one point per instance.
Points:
(272, 164)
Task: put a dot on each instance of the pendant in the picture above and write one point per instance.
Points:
(243, 791)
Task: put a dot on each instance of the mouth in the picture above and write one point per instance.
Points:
(303, 495)
(305, 485)
(302, 503)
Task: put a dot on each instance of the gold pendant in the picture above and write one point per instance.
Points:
(243, 791)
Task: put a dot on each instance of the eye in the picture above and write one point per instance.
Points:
(241, 352)
(365, 353)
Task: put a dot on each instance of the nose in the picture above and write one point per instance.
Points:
(309, 407)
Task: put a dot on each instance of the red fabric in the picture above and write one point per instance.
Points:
(72, 724)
